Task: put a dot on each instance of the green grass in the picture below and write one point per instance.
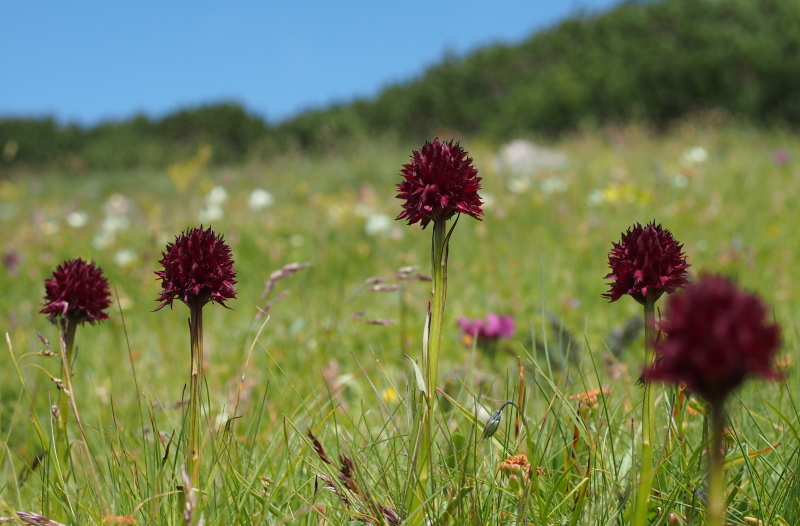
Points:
(313, 365)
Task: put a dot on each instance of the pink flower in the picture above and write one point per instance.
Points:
(780, 156)
(490, 330)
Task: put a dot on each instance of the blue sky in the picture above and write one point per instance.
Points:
(91, 61)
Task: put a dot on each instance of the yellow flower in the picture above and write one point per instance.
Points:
(389, 395)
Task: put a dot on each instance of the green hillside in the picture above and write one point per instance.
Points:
(645, 61)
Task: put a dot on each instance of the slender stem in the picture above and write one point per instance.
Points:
(421, 462)
(646, 466)
(195, 388)
(716, 474)
(439, 249)
(69, 328)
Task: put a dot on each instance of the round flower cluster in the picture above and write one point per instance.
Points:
(646, 263)
(440, 181)
(198, 268)
(716, 336)
(77, 291)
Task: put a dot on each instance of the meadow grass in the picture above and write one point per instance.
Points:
(316, 363)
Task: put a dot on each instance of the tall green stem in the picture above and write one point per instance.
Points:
(646, 467)
(439, 249)
(716, 474)
(69, 328)
(195, 388)
(430, 364)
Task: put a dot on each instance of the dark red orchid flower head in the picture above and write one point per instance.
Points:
(646, 263)
(440, 181)
(77, 291)
(716, 336)
(197, 269)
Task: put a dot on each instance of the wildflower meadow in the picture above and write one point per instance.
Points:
(600, 330)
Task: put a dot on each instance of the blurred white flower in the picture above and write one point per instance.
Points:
(378, 224)
(522, 157)
(77, 219)
(103, 239)
(113, 222)
(117, 207)
(210, 213)
(124, 257)
(216, 196)
(519, 185)
(118, 204)
(554, 185)
(488, 200)
(680, 181)
(596, 197)
(260, 199)
(695, 155)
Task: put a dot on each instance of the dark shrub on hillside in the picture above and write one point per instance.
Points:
(644, 61)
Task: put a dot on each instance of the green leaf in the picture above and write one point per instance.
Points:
(417, 374)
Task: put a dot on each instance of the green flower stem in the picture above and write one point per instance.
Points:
(70, 327)
(195, 388)
(439, 252)
(716, 474)
(430, 365)
(641, 504)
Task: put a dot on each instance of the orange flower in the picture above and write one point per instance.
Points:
(125, 520)
(588, 399)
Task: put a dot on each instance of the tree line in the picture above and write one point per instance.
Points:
(650, 62)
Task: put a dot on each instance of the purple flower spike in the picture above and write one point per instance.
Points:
(498, 326)
(780, 156)
(495, 327)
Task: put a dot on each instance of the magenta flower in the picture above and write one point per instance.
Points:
(490, 330)
(440, 181)
(780, 156)
(646, 263)
(78, 291)
(716, 336)
(197, 269)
